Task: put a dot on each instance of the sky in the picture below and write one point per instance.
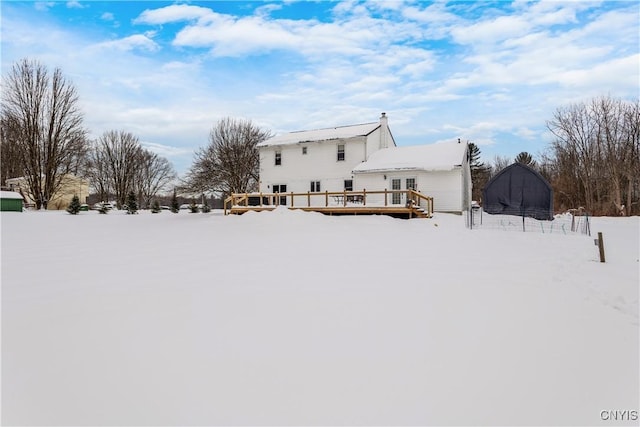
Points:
(491, 73)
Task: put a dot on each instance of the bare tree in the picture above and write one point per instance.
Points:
(499, 163)
(120, 153)
(43, 124)
(96, 169)
(230, 163)
(153, 175)
(10, 157)
(597, 144)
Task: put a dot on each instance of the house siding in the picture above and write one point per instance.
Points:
(446, 187)
(297, 170)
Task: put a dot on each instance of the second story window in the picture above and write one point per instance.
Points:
(340, 152)
(278, 158)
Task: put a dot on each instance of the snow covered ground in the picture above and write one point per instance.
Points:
(293, 318)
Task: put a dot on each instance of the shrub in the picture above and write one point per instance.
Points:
(74, 206)
(132, 204)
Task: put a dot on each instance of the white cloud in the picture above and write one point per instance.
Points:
(490, 74)
(107, 16)
(44, 5)
(134, 42)
(173, 13)
(74, 4)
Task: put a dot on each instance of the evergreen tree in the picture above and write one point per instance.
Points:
(103, 208)
(193, 207)
(175, 207)
(132, 204)
(479, 171)
(155, 207)
(205, 206)
(526, 159)
(74, 206)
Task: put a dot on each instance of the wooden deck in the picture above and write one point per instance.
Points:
(396, 203)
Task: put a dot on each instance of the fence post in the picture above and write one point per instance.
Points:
(601, 246)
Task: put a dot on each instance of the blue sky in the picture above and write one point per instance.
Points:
(488, 72)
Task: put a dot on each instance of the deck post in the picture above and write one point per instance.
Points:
(292, 199)
(326, 198)
(308, 199)
(344, 198)
(246, 200)
(261, 199)
(277, 201)
(364, 197)
(385, 197)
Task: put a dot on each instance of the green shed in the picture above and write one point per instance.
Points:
(10, 201)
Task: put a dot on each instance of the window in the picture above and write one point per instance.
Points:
(304, 150)
(411, 183)
(340, 152)
(348, 185)
(315, 186)
(278, 158)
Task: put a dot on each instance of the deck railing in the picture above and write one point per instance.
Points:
(411, 199)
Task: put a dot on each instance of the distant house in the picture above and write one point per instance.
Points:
(439, 170)
(320, 160)
(10, 201)
(71, 185)
(365, 157)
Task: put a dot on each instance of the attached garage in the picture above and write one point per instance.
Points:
(10, 201)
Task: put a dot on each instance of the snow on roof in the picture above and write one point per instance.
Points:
(10, 195)
(439, 156)
(339, 132)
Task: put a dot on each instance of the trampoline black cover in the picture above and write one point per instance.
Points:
(518, 190)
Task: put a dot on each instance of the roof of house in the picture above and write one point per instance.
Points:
(340, 132)
(431, 157)
(10, 195)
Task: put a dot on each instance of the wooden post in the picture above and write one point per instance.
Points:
(277, 199)
(364, 197)
(601, 246)
(261, 199)
(385, 197)
(326, 198)
(292, 199)
(308, 199)
(344, 198)
(246, 200)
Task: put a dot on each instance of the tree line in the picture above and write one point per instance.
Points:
(593, 161)
(42, 138)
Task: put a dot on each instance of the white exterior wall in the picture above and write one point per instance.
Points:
(446, 187)
(297, 170)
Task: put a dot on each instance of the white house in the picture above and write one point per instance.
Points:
(320, 160)
(365, 157)
(438, 170)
